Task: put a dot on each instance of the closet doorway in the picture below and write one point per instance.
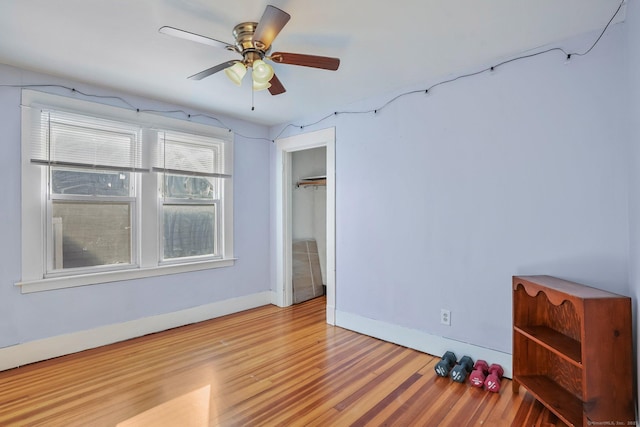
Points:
(309, 223)
(288, 185)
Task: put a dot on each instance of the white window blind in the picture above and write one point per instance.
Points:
(188, 154)
(73, 140)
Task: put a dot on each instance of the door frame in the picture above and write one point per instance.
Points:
(283, 187)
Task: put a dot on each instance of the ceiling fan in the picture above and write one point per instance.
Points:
(253, 42)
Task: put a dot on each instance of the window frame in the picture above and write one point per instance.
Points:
(147, 225)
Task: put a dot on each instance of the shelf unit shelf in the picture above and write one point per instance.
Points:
(565, 336)
(562, 345)
(563, 404)
(308, 182)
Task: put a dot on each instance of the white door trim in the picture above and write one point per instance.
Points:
(284, 148)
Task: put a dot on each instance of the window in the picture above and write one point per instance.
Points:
(90, 205)
(193, 173)
(110, 194)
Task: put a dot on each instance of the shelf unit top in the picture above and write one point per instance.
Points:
(564, 288)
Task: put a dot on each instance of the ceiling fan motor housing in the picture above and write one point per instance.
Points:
(250, 50)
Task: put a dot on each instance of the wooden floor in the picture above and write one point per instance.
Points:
(267, 366)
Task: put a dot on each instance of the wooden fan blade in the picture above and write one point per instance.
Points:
(276, 87)
(206, 73)
(270, 25)
(312, 61)
(175, 32)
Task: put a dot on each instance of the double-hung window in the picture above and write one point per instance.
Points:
(192, 169)
(90, 169)
(110, 194)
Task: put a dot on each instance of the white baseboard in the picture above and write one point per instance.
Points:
(35, 351)
(331, 315)
(421, 341)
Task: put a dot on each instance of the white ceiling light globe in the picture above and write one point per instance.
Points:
(236, 72)
(262, 72)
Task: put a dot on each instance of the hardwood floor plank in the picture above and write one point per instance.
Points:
(335, 386)
(466, 413)
(325, 383)
(385, 404)
(416, 399)
(266, 366)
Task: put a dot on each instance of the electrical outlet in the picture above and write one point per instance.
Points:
(445, 316)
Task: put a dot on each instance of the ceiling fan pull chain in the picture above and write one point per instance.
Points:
(252, 94)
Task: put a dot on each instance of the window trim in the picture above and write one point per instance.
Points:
(62, 282)
(34, 213)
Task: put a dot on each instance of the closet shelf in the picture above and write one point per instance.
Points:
(314, 180)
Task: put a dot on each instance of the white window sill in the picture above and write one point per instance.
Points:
(62, 282)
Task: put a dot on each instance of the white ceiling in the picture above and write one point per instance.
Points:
(383, 46)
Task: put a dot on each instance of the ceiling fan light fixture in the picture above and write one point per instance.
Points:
(262, 72)
(252, 41)
(236, 72)
(261, 86)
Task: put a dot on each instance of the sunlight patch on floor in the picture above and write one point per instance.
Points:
(188, 410)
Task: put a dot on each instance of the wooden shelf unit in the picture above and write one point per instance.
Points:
(572, 350)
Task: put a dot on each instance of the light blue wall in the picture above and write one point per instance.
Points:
(441, 198)
(29, 317)
(633, 49)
